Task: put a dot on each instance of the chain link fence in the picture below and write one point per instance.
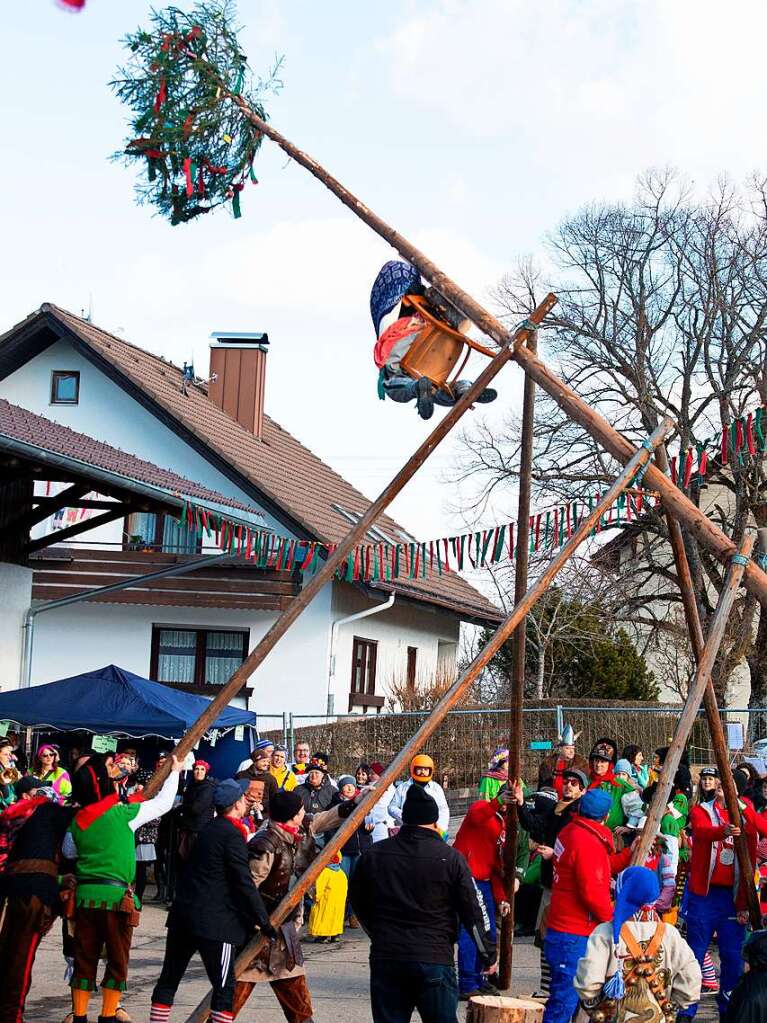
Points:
(462, 744)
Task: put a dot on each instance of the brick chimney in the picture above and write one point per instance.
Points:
(237, 377)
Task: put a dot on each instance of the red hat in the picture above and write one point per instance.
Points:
(202, 763)
(377, 767)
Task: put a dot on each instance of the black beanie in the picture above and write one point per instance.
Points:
(419, 807)
(283, 806)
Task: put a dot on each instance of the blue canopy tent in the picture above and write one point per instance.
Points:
(112, 701)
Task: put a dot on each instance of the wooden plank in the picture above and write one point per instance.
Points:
(162, 599)
(156, 559)
(201, 582)
(517, 693)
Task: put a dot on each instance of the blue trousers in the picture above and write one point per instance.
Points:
(707, 914)
(469, 963)
(398, 988)
(562, 952)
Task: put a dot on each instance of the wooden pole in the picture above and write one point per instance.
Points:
(355, 536)
(493, 1009)
(517, 695)
(448, 701)
(702, 679)
(718, 738)
(578, 410)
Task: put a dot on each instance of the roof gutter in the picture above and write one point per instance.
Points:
(377, 609)
(113, 479)
(30, 616)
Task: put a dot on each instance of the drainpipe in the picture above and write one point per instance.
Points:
(28, 628)
(376, 609)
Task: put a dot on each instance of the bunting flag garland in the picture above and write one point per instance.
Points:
(549, 528)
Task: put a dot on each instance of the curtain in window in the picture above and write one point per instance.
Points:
(178, 539)
(224, 653)
(142, 524)
(176, 656)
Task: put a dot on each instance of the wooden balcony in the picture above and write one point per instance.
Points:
(235, 585)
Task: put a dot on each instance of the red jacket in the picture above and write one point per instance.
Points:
(480, 839)
(580, 894)
(705, 833)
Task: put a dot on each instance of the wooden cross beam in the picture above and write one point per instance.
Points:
(119, 512)
(49, 505)
(448, 701)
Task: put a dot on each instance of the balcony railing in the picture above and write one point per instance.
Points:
(235, 584)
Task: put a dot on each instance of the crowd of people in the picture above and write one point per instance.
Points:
(618, 942)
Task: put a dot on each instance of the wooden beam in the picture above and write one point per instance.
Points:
(163, 598)
(46, 506)
(452, 697)
(517, 686)
(201, 583)
(119, 512)
(702, 679)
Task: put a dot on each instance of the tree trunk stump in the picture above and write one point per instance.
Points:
(502, 1009)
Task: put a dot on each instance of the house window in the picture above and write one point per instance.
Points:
(364, 666)
(160, 533)
(374, 533)
(196, 657)
(412, 663)
(65, 387)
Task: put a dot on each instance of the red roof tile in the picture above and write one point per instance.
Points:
(22, 425)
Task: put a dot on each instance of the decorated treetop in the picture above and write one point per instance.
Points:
(189, 134)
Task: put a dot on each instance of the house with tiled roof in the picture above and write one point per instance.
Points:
(77, 390)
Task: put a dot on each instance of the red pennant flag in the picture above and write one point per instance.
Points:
(537, 531)
(446, 560)
(673, 470)
(738, 435)
(687, 468)
(725, 434)
(511, 541)
(750, 434)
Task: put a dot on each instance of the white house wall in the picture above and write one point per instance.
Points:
(434, 633)
(15, 595)
(292, 677)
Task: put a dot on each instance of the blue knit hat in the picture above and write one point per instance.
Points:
(623, 767)
(634, 887)
(595, 804)
(262, 744)
(395, 279)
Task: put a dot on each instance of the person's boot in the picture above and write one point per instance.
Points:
(161, 893)
(425, 398)
(484, 398)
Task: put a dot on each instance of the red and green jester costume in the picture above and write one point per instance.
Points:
(102, 840)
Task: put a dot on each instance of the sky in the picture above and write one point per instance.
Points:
(471, 126)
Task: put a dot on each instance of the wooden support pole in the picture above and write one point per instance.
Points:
(355, 536)
(517, 694)
(691, 707)
(448, 701)
(582, 413)
(697, 642)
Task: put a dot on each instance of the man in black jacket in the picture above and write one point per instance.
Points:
(409, 893)
(215, 910)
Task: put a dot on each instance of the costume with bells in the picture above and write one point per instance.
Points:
(636, 968)
(552, 768)
(101, 839)
(397, 325)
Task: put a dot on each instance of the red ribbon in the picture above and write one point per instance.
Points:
(188, 175)
(673, 470)
(750, 434)
(725, 433)
(687, 468)
(161, 96)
